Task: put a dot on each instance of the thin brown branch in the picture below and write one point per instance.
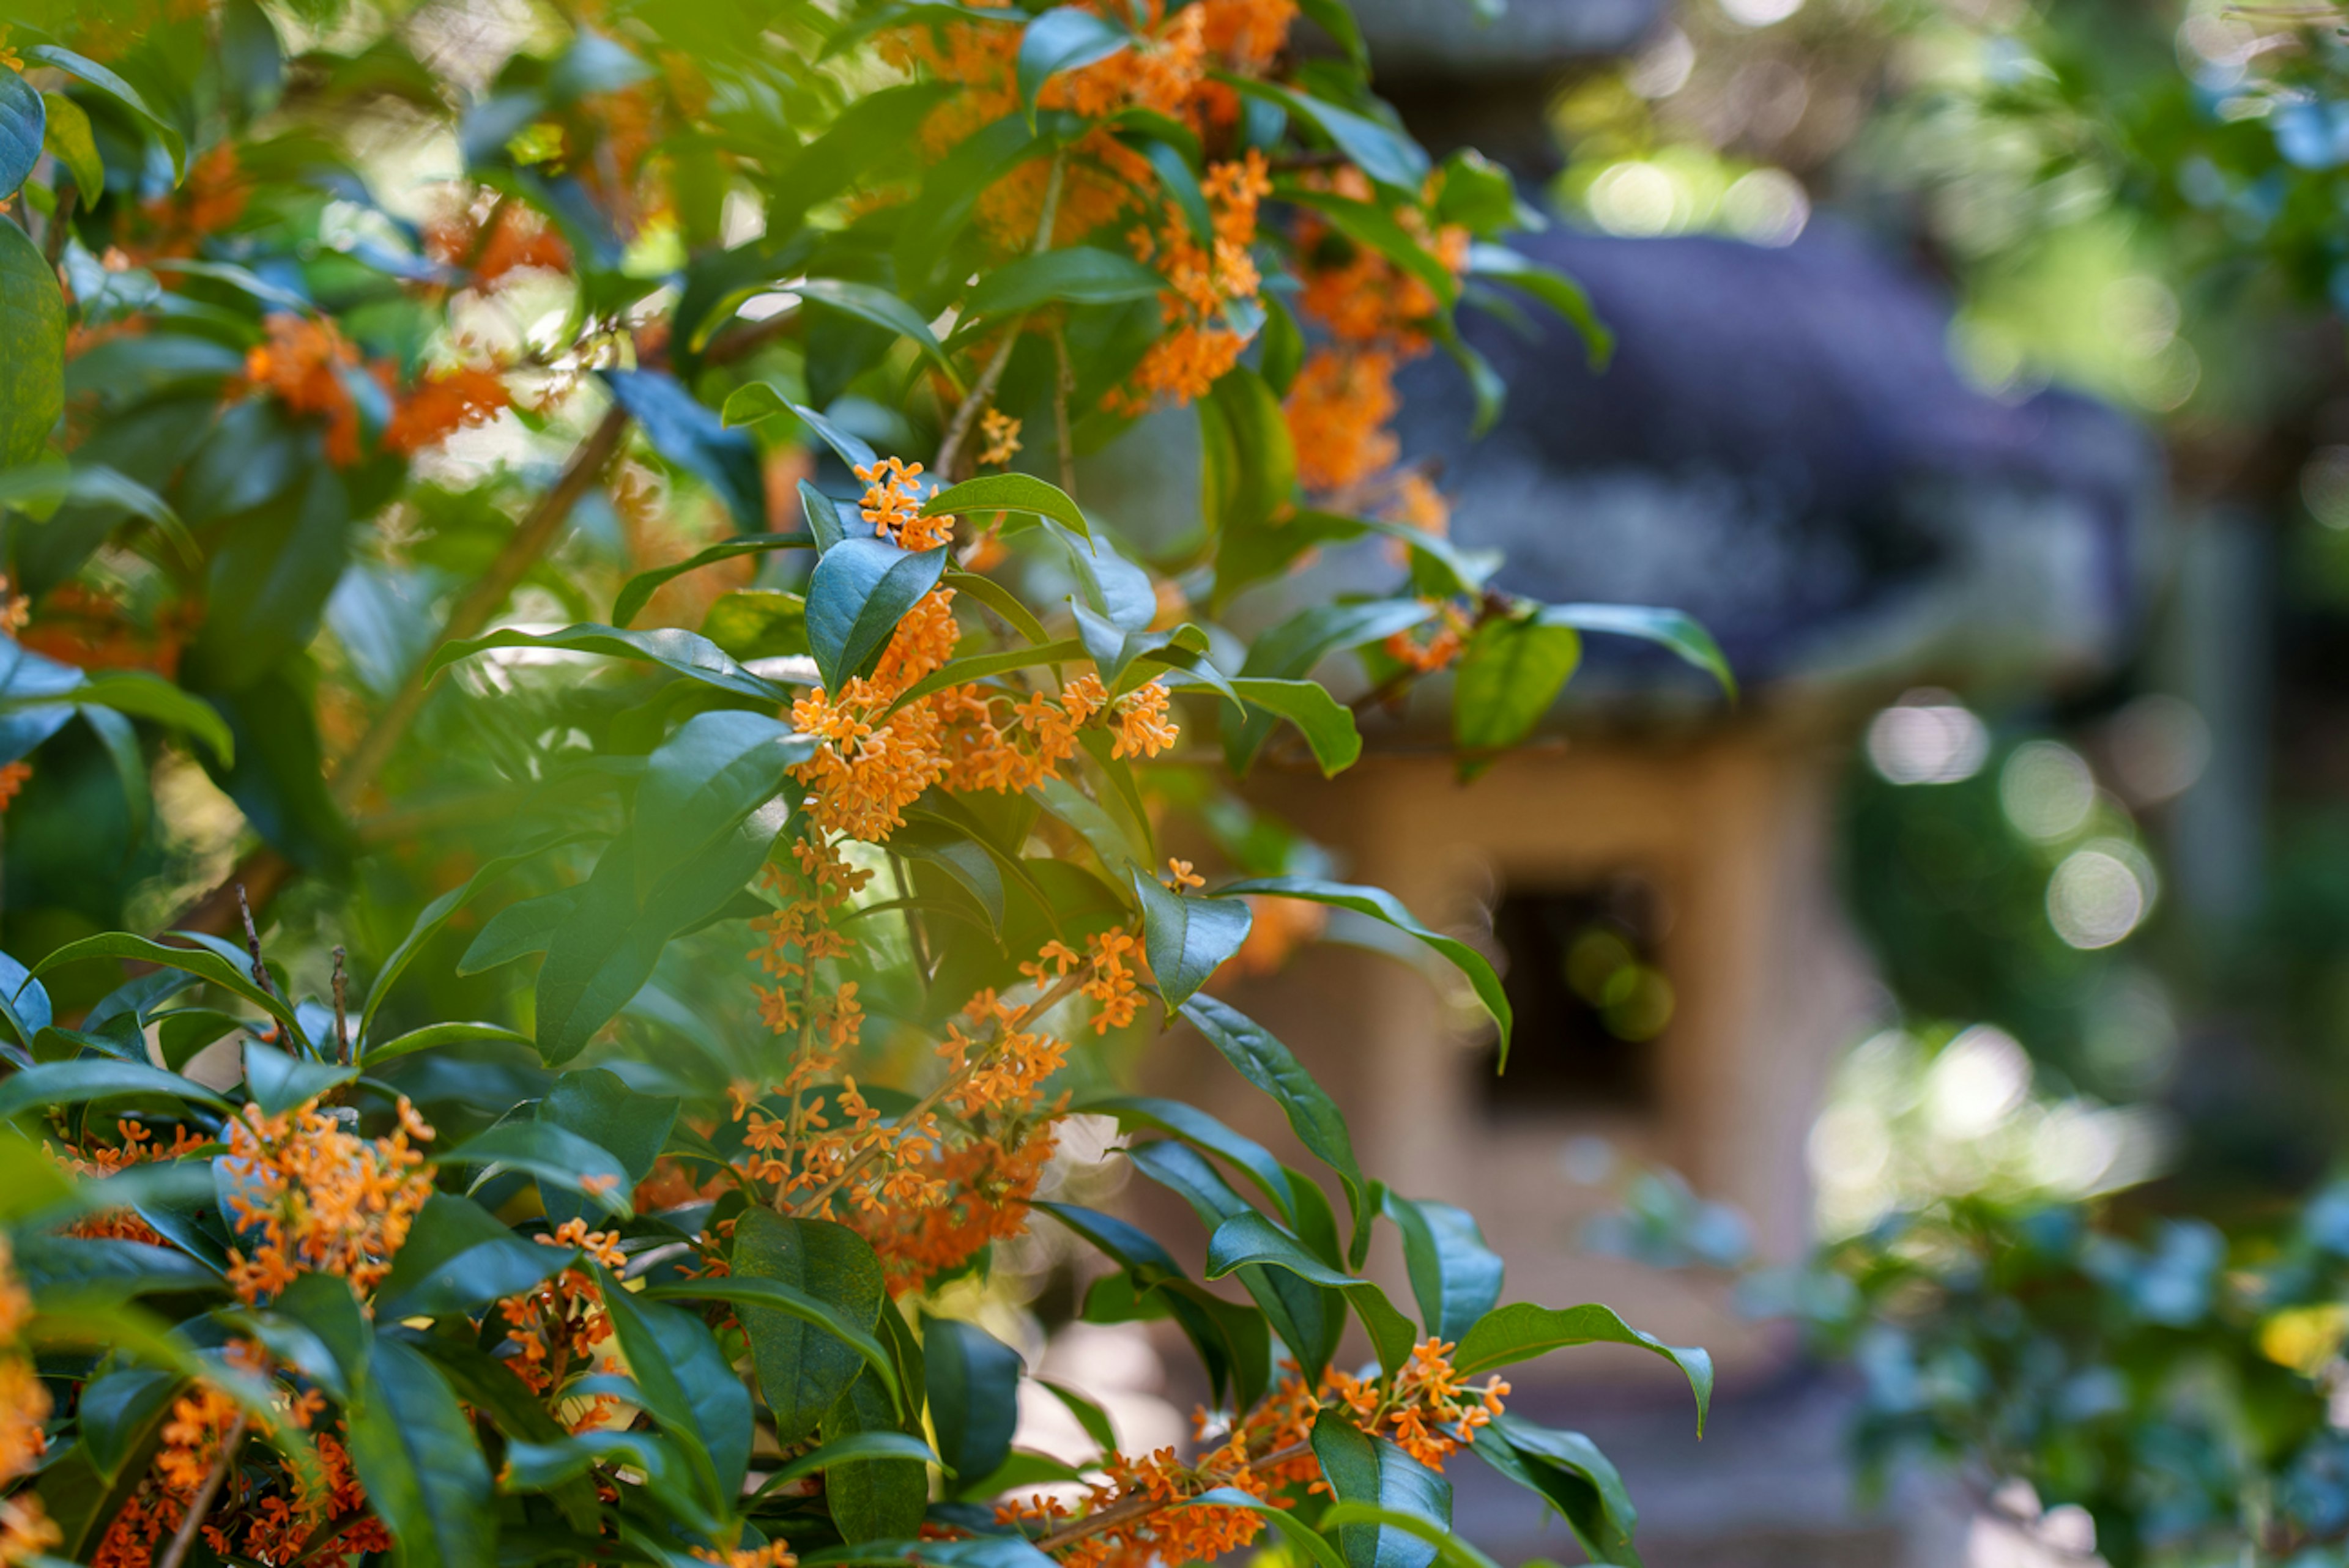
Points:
(175, 1554)
(488, 594)
(253, 943)
(342, 1015)
(1063, 387)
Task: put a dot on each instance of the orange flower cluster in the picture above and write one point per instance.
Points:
(25, 1532)
(13, 779)
(873, 763)
(984, 1183)
(92, 630)
(1426, 1408)
(270, 1513)
(1204, 284)
(211, 198)
(303, 365)
(1267, 1451)
(138, 1148)
(1165, 71)
(1109, 976)
(555, 1326)
(443, 404)
(1000, 434)
(323, 1200)
(518, 240)
(1438, 648)
(1375, 314)
(773, 1555)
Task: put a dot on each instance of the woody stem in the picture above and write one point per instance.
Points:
(1128, 1509)
(201, 1504)
(967, 413)
(816, 1204)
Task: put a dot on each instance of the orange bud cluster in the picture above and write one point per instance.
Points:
(1109, 974)
(303, 365)
(308, 1197)
(1205, 282)
(138, 1148)
(443, 404)
(555, 1326)
(1436, 650)
(1425, 1408)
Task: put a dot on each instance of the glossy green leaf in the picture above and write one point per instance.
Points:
(1554, 289)
(883, 309)
(703, 780)
(414, 1451)
(1671, 628)
(144, 696)
(689, 1387)
(859, 592)
(637, 590)
(1380, 904)
(1566, 1470)
(1202, 1132)
(1188, 938)
(553, 1155)
(121, 92)
(1010, 492)
(973, 1383)
(1065, 38)
(1522, 1331)
(1307, 1316)
(431, 920)
(873, 1498)
(1118, 588)
(75, 1083)
(69, 139)
(433, 1037)
(852, 449)
(24, 127)
(1364, 1470)
(32, 349)
(1313, 1116)
(804, 1361)
(277, 1083)
(691, 435)
(1327, 724)
(599, 1105)
(758, 1291)
(458, 1258)
(1248, 1239)
(687, 653)
(1372, 227)
(1454, 1276)
(1386, 155)
(1507, 678)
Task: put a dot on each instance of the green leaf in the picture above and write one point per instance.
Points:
(1336, 19)
(278, 1082)
(1554, 289)
(525, 926)
(24, 127)
(1303, 1537)
(1188, 938)
(1673, 629)
(1327, 724)
(1078, 274)
(746, 404)
(872, 1500)
(1307, 1315)
(1365, 1470)
(1248, 1239)
(973, 1383)
(689, 1387)
(850, 449)
(1313, 1114)
(1454, 1276)
(32, 348)
(880, 1445)
(637, 590)
(703, 780)
(269, 580)
(121, 92)
(693, 657)
(1001, 600)
(606, 951)
(1202, 1132)
(690, 435)
(335, 1341)
(551, 1154)
(1450, 1547)
(1010, 492)
(598, 1105)
(803, 1362)
(1374, 228)
(859, 592)
(1249, 463)
(429, 920)
(74, 1083)
(1508, 677)
(144, 696)
(757, 1291)
(968, 862)
(459, 1259)
(1387, 157)
(1089, 1415)
(117, 1413)
(38, 489)
(69, 139)
(1380, 904)
(414, 1451)
(1119, 589)
(433, 1037)
(883, 309)
(201, 961)
(1567, 1471)
(1522, 1331)
(1065, 38)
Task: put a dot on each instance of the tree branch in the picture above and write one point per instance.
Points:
(201, 1504)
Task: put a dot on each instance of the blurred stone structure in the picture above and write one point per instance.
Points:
(1782, 447)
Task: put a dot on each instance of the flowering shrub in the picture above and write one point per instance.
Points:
(363, 1236)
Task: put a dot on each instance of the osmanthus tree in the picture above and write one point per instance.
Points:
(338, 345)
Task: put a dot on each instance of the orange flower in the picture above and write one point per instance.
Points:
(308, 1197)
(302, 366)
(443, 404)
